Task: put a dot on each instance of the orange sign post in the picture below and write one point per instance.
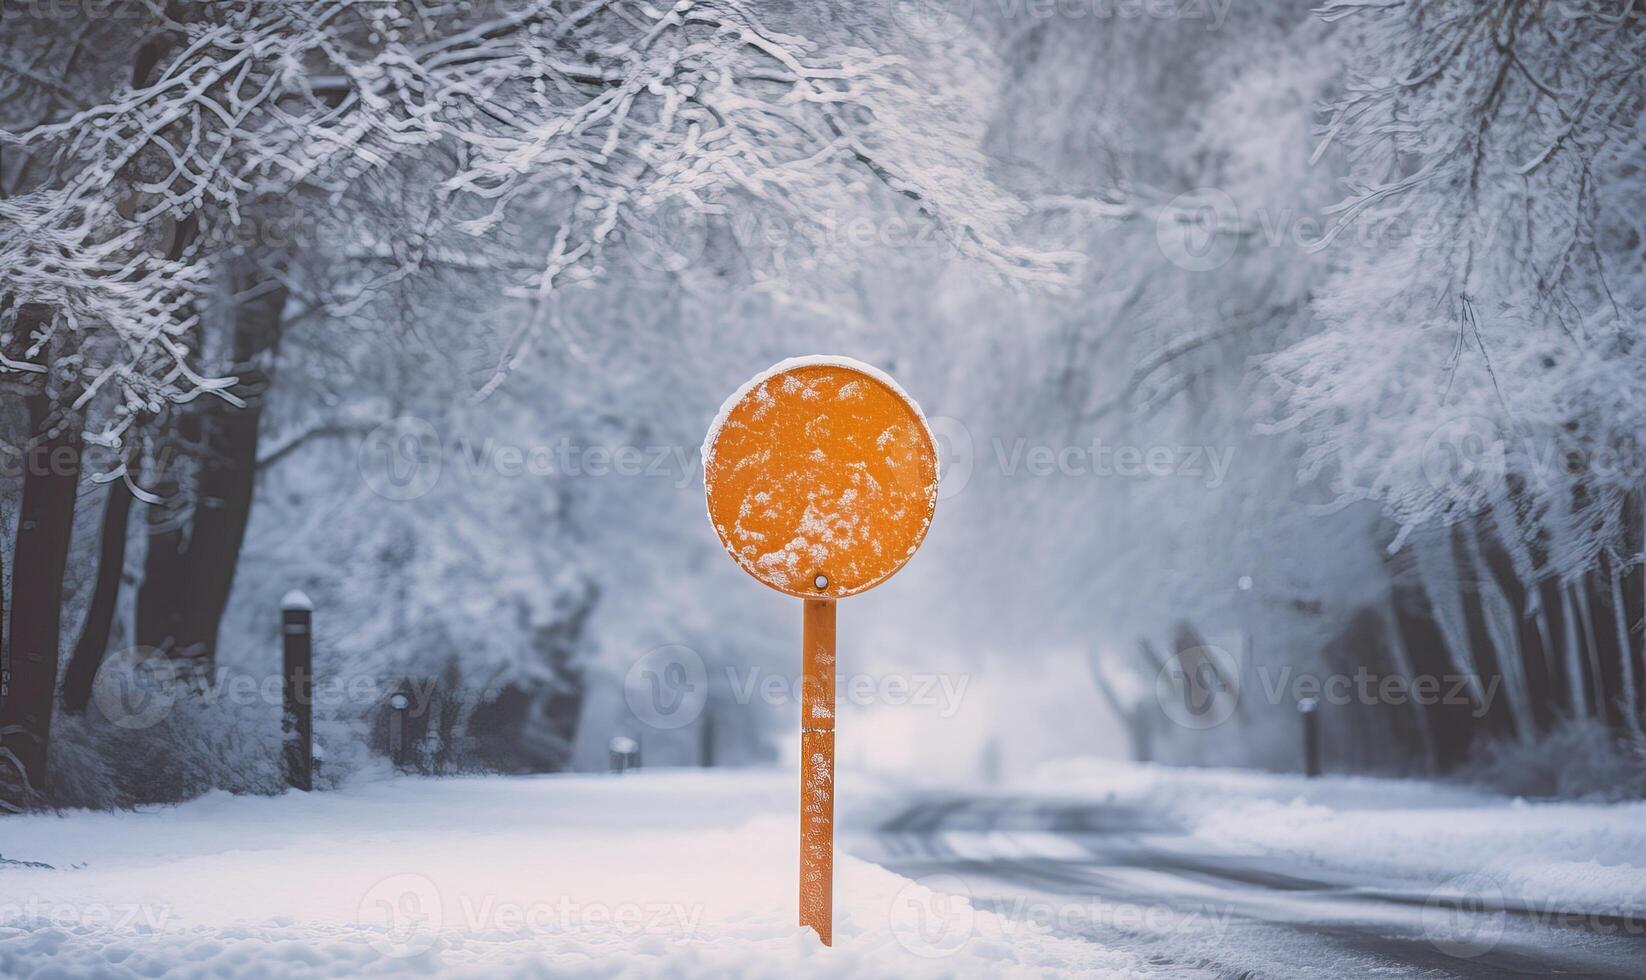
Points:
(822, 480)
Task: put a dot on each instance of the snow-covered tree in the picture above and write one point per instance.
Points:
(1480, 352)
(528, 147)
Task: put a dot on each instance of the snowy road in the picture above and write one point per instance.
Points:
(1113, 874)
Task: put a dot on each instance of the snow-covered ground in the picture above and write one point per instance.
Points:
(1549, 857)
(661, 873)
(692, 872)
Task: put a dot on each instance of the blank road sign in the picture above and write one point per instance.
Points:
(821, 477)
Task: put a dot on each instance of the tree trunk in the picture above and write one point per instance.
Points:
(228, 468)
(94, 636)
(1533, 657)
(1551, 624)
(1134, 717)
(1501, 613)
(1401, 660)
(1575, 661)
(1452, 727)
(1497, 716)
(161, 596)
(45, 520)
(1626, 657)
(163, 593)
(1633, 609)
(5, 651)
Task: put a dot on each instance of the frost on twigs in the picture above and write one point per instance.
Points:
(625, 122)
(1482, 321)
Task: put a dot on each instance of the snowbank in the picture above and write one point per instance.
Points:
(655, 874)
(1388, 833)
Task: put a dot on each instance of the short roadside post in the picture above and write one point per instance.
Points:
(398, 703)
(622, 750)
(297, 689)
(1308, 710)
(705, 738)
(821, 476)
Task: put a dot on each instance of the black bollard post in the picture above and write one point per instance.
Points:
(1311, 737)
(398, 703)
(297, 689)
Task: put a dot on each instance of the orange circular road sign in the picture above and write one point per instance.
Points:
(821, 476)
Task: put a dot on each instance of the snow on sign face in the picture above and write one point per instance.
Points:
(821, 477)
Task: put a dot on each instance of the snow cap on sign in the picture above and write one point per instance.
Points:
(809, 360)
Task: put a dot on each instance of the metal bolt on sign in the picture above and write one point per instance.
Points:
(821, 476)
